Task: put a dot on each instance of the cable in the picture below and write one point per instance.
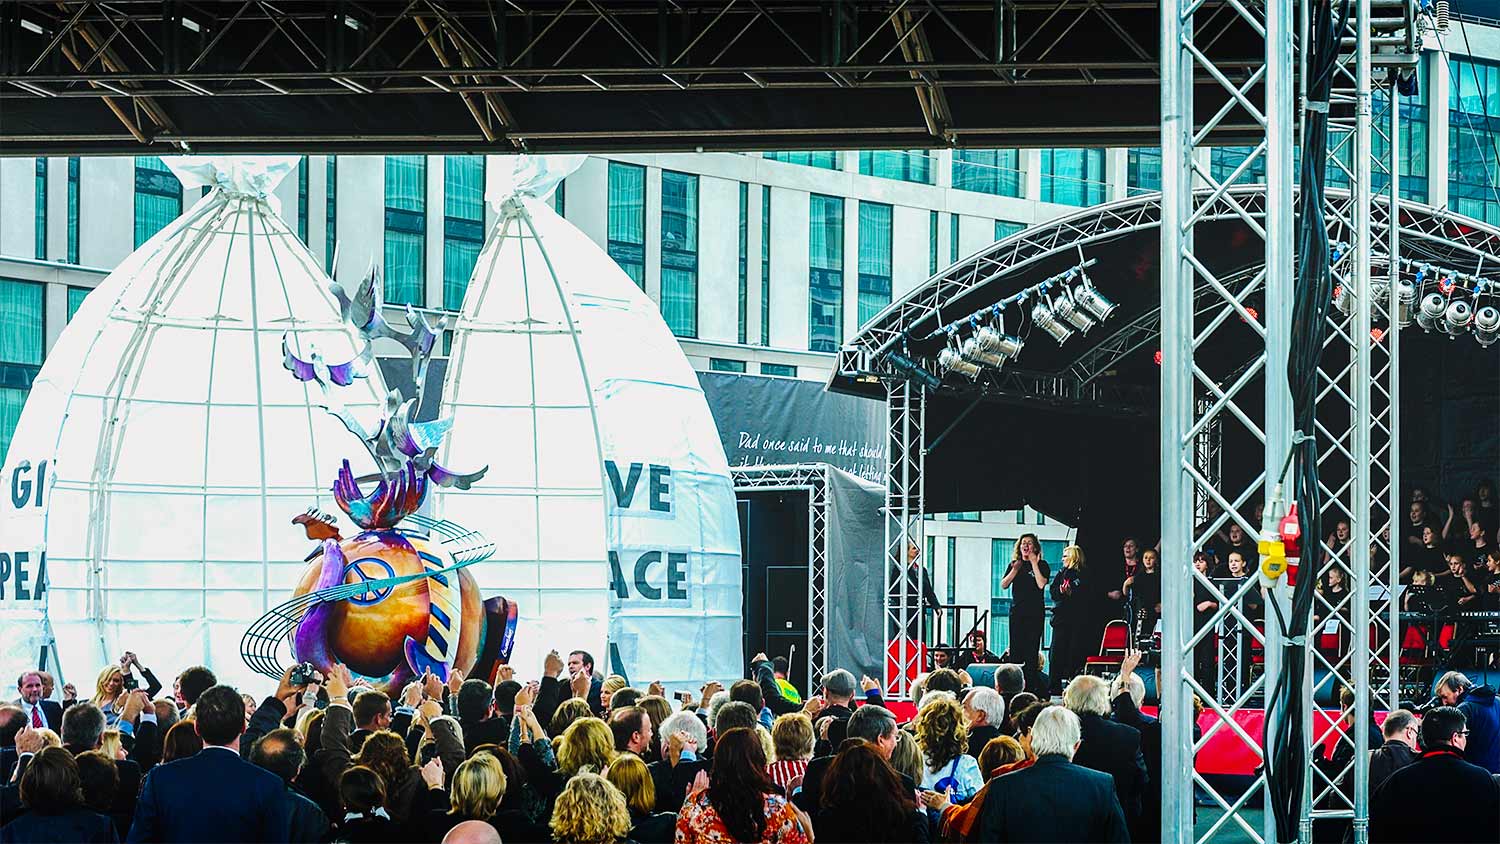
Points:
(1286, 746)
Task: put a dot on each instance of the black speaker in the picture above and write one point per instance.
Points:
(786, 599)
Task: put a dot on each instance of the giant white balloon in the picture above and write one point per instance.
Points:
(168, 449)
(608, 496)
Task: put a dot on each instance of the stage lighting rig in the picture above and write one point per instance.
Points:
(912, 371)
(1431, 311)
(1487, 325)
(1046, 319)
(1065, 307)
(952, 360)
(1097, 304)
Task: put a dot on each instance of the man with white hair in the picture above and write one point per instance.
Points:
(1052, 800)
(684, 740)
(1108, 747)
(984, 712)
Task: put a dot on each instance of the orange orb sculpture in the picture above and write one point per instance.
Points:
(368, 631)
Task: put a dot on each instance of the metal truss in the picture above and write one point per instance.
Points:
(136, 55)
(811, 478)
(1193, 402)
(1357, 645)
(904, 508)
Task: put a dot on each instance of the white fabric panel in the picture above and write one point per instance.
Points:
(179, 448)
(560, 363)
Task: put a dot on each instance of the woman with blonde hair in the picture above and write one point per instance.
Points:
(476, 791)
(587, 746)
(907, 757)
(943, 739)
(109, 688)
(647, 826)
(590, 811)
(792, 743)
(1071, 619)
(566, 713)
(1026, 578)
(111, 745)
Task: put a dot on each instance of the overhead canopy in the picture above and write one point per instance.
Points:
(607, 75)
(1072, 429)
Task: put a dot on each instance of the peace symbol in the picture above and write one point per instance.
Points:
(368, 569)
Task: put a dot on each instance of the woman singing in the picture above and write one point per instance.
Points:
(1070, 619)
(1026, 578)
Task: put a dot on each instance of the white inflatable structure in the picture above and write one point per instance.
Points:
(608, 494)
(164, 450)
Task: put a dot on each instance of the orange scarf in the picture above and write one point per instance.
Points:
(960, 822)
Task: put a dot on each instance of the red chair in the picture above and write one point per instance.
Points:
(1112, 646)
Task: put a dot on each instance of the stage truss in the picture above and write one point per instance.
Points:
(811, 478)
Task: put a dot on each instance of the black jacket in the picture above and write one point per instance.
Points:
(1052, 800)
(979, 737)
(76, 825)
(765, 677)
(850, 826)
(494, 730)
(673, 781)
(1147, 826)
(1437, 797)
(213, 795)
(1115, 749)
(655, 828)
(1388, 759)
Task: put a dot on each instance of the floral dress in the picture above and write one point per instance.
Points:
(698, 823)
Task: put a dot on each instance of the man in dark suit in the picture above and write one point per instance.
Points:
(83, 730)
(214, 795)
(581, 663)
(1052, 800)
(684, 741)
(1129, 693)
(1110, 748)
(39, 711)
(1399, 750)
(12, 721)
(871, 723)
(1439, 796)
(480, 726)
(984, 711)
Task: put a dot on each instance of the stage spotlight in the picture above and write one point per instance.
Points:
(1380, 294)
(1045, 319)
(1457, 317)
(1406, 294)
(1487, 325)
(1433, 305)
(951, 360)
(914, 371)
(994, 340)
(1342, 298)
(1069, 310)
(1096, 303)
(973, 350)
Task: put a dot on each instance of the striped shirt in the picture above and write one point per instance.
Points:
(783, 771)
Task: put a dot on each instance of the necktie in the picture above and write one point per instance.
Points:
(36, 717)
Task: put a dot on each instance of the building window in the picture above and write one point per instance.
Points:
(931, 546)
(158, 197)
(725, 365)
(302, 200)
(825, 283)
(41, 209)
(1223, 161)
(874, 259)
(1005, 228)
(1473, 135)
(76, 295)
(781, 370)
(932, 250)
(1021, 516)
(406, 230)
(627, 220)
(765, 265)
(994, 171)
(912, 165)
(331, 218)
(73, 185)
(560, 199)
(1073, 176)
(952, 238)
(21, 349)
(679, 252)
(825, 160)
(952, 577)
(1412, 133)
(1000, 551)
(463, 224)
(965, 516)
(1142, 170)
(1041, 518)
(744, 287)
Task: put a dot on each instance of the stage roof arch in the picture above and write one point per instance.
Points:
(1068, 428)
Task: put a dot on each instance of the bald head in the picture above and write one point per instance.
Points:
(472, 832)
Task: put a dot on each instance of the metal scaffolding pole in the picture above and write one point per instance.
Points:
(1189, 287)
(907, 408)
